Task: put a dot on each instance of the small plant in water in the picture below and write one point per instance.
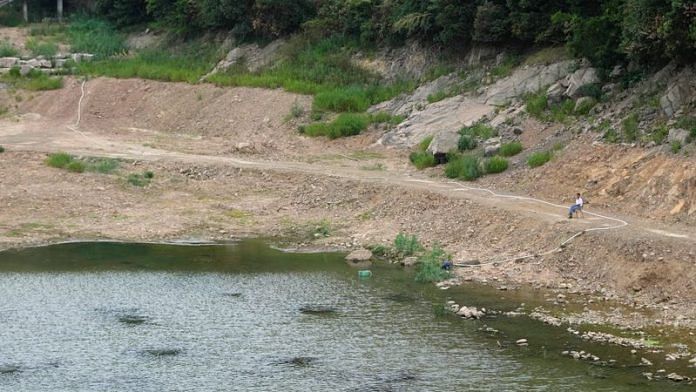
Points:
(406, 245)
(430, 266)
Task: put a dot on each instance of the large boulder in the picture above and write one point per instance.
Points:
(8, 62)
(359, 256)
(444, 142)
(579, 78)
(681, 91)
(678, 135)
(556, 92)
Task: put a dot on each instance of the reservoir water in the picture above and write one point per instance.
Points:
(246, 317)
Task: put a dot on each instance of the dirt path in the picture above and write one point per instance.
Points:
(34, 133)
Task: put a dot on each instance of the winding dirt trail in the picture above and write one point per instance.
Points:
(38, 134)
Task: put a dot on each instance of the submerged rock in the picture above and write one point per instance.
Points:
(297, 361)
(8, 369)
(132, 319)
(317, 309)
(163, 352)
(360, 256)
(235, 295)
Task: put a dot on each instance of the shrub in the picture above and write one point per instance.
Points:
(466, 142)
(479, 130)
(35, 80)
(629, 126)
(95, 36)
(346, 124)
(136, 179)
(539, 158)
(148, 174)
(536, 104)
(102, 165)
(465, 167)
(349, 99)
(585, 106)
(422, 159)
(593, 90)
(659, 134)
(76, 166)
(59, 160)
(2, 149)
(510, 149)
(496, 165)
(675, 146)
(406, 245)
(688, 123)
(429, 267)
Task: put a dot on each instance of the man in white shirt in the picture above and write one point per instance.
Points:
(576, 207)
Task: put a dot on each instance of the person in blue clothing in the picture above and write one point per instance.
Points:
(577, 207)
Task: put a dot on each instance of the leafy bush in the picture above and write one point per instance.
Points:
(495, 165)
(465, 167)
(536, 104)
(406, 245)
(140, 180)
(59, 160)
(539, 158)
(466, 142)
(2, 149)
(429, 267)
(629, 126)
(510, 149)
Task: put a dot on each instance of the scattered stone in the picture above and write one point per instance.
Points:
(645, 362)
(25, 69)
(409, 261)
(359, 256)
(8, 62)
(678, 135)
(470, 312)
(676, 377)
(579, 78)
(521, 342)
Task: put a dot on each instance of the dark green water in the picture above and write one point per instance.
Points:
(135, 317)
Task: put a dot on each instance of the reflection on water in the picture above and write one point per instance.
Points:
(105, 316)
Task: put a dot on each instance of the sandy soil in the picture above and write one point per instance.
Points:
(227, 164)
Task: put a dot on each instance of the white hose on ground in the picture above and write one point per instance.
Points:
(75, 126)
(620, 223)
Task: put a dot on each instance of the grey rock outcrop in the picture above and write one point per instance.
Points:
(678, 135)
(8, 62)
(526, 80)
(579, 78)
(250, 56)
(448, 115)
(405, 104)
(444, 142)
(680, 92)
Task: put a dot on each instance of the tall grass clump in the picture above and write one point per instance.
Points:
(59, 160)
(510, 149)
(183, 63)
(465, 167)
(479, 130)
(35, 80)
(407, 245)
(539, 158)
(7, 50)
(88, 35)
(536, 104)
(421, 158)
(429, 267)
(346, 124)
(688, 123)
(41, 48)
(495, 165)
(466, 142)
(629, 127)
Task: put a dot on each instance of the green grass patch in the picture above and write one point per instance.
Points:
(407, 245)
(688, 123)
(510, 149)
(536, 104)
(548, 56)
(479, 130)
(7, 50)
(464, 167)
(539, 158)
(425, 143)
(466, 142)
(675, 146)
(59, 160)
(41, 48)
(140, 179)
(429, 267)
(321, 68)
(346, 124)
(35, 80)
(422, 159)
(585, 106)
(76, 166)
(98, 37)
(495, 165)
(183, 63)
(101, 165)
(659, 134)
(47, 29)
(629, 127)
(505, 68)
